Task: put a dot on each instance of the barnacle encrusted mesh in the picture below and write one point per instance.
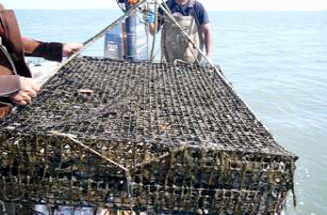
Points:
(160, 138)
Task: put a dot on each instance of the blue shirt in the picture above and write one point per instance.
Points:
(186, 10)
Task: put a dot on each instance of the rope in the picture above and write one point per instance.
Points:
(152, 56)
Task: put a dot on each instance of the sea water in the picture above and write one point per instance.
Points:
(276, 61)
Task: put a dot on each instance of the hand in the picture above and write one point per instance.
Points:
(71, 48)
(28, 91)
(150, 18)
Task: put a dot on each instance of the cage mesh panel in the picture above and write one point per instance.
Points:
(188, 142)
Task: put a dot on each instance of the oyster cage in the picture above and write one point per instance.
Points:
(159, 138)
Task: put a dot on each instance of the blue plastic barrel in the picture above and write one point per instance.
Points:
(127, 40)
(131, 40)
(114, 43)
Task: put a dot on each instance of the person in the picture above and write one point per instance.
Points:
(193, 18)
(17, 86)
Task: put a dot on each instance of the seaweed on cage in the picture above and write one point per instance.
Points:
(144, 137)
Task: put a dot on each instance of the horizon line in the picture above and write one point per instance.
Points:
(207, 10)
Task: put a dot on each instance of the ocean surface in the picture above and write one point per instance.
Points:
(277, 62)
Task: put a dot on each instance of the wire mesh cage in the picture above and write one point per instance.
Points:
(159, 138)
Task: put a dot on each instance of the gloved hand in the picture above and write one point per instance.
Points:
(150, 18)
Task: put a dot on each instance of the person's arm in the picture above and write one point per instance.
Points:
(208, 38)
(51, 51)
(8, 84)
(152, 28)
(19, 89)
(150, 19)
(204, 23)
(27, 91)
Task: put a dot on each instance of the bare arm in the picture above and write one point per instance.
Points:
(8, 84)
(29, 45)
(151, 20)
(152, 28)
(50, 51)
(27, 91)
(19, 89)
(208, 36)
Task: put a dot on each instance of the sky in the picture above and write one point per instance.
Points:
(216, 5)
